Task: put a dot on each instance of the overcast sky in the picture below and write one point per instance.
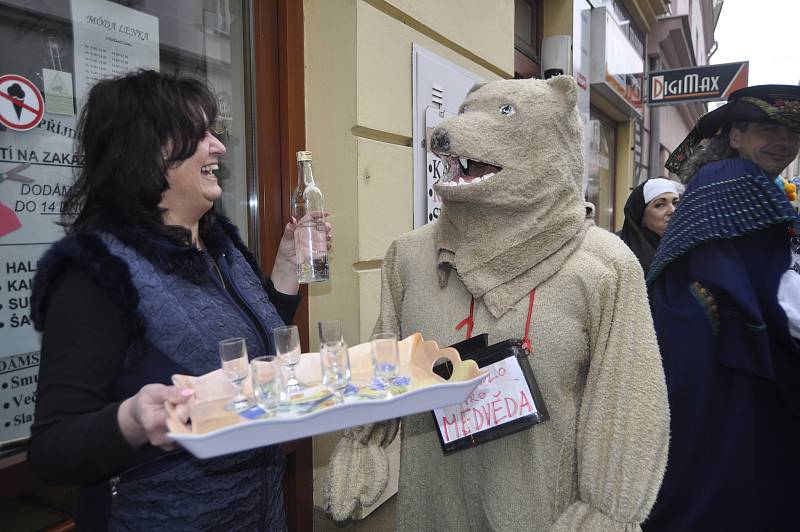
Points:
(764, 32)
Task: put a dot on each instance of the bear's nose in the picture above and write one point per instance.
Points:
(440, 140)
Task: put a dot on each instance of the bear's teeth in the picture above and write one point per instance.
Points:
(464, 163)
(487, 176)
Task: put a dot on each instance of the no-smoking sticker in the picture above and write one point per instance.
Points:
(21, 103)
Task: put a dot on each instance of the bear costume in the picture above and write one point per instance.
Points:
(515, 238)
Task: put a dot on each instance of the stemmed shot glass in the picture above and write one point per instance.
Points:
(334, 358)
(385, 357)
(287, 346)
(236, 368)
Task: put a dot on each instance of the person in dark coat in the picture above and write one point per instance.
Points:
(717, 286)
(146, 283)
(647, 213)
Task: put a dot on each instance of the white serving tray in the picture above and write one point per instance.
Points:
(428, 391)
(260, 432)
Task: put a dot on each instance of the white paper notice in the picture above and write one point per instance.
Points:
(58, 92)
(111, 39)
(434, 167)
(501, 397)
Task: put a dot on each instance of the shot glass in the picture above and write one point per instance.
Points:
(385, 356)
(267, 382)
(335, 364)
(330, 331)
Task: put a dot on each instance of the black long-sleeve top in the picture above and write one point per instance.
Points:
(75, 438)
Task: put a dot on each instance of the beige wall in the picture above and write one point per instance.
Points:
(359, 128)
(556, 17)
(623, 170)
(484, 28)
(674, 126)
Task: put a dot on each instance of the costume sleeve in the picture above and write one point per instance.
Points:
(391, 294)
(75, 438)
(623, 424)
(358, 470)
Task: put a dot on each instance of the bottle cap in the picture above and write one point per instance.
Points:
(303, 156)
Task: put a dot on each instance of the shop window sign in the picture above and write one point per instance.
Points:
(58, 50)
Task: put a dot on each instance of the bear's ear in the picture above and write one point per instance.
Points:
(567, 85)
(476, 87)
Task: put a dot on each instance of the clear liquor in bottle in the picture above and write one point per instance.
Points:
(310, 237)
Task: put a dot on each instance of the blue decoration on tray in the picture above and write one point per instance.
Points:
(253, 412)
(401, 380)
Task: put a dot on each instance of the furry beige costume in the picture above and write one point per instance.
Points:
(598, 462)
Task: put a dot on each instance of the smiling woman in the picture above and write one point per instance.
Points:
(147, 283)
(141, 159)
(193, 187)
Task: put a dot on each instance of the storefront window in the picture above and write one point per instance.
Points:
(527, 38)
(600, 166)
(52, 52)
(629, 28)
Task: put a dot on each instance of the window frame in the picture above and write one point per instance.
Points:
(527, 58)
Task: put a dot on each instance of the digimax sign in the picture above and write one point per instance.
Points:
(698, 84)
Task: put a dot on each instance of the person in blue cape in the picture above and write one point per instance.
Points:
(722, 290)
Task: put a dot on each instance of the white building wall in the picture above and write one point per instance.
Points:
(678, 120)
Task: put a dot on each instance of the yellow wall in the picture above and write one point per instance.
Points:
(358, 123)
(623, 170)
(359, 128)
(468, 23)
(556, 17)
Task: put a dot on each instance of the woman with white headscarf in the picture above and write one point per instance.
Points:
(647, 213)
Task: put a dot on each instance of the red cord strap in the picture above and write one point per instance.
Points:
(469, 321)
(526, 341)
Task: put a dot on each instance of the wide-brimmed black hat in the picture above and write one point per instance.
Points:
(759, 103)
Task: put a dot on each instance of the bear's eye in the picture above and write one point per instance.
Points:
(507, 109)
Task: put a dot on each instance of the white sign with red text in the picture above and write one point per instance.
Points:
(501, 397)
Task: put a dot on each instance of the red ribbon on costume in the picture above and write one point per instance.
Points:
(469, 321)
(526, 341)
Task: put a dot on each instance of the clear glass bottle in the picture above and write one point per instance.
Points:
(310, 237)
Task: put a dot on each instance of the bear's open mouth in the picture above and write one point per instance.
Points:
(465, 171)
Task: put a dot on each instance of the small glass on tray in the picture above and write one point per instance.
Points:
(385, 359)
(287, 346)
(236, 368)
(334, 358)
(267, 382)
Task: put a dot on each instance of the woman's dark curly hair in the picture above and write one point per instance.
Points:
(131, 130)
